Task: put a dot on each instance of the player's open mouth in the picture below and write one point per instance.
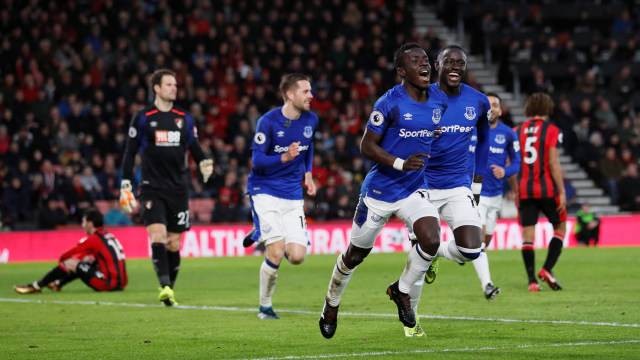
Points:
(454, 76)
(424, 75)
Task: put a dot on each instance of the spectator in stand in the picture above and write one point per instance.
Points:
(589, 155)
(565, 120)
(90, 183)
(115, 216)
(224, 210)
(605, 117)
(623, 85)
(629, 188)
(53, 214)
(611, 168)
(15, 201)
(5, 140)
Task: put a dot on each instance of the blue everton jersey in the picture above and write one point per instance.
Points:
(448, 166)
(274, 134)
(406, 127)
(503, 145)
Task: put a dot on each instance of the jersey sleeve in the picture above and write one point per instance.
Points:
(482, 146)
(86, 246)
(380, 117)
(308, 160)
(553, 137)
(134, 137)
(260, 146)
(192, 139)
(514, 154)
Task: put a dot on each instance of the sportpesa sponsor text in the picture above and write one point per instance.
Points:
(281, 149)
(404, 133)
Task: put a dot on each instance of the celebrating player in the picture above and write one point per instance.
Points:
(398, 139)
(540, 186)
(162, 133)
(98, 260)
(503, 145)
(282, 158)
(451, 189)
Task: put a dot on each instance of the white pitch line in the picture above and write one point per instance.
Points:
(317, 313)
(447, 350)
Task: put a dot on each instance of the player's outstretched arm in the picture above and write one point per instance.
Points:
(514, 156)
(205, 165)
(369, 147)
(556, 174)
(482, 153)
(127, 200)
(309, 184)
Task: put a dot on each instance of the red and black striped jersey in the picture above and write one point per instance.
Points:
(108, 254)
(536, 137)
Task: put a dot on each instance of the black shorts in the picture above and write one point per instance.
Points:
(530, 208)
(169, 209)
(94, 278)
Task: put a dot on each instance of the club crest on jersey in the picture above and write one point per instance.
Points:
(470, 113)
(436, 116)
(179, 122)
(148, 204)
(308, 132)
(259, 138)
(376, 118)
(500, 139)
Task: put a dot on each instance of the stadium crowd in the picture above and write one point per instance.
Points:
(74, 73)
(584, 53)
(77, 74)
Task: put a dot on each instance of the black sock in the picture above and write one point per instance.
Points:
(174, 265)
(553, 253)
(529, 257)
(161, 263)
(55, 274)
(67, 279)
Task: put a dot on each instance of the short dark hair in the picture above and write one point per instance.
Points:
(450, 47)
(94, 216)
(494, 95)
(398, 55)
(156, 77)
(538, 104)
(291, 80)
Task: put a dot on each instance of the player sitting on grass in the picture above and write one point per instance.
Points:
(98, 260)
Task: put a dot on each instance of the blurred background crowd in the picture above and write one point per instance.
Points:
(73, 74)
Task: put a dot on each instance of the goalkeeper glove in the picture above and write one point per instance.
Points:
(206, 169)
(127, 201)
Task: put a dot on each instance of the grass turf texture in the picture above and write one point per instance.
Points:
(600, 285)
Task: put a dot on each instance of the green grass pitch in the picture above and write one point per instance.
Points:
(596, 316)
